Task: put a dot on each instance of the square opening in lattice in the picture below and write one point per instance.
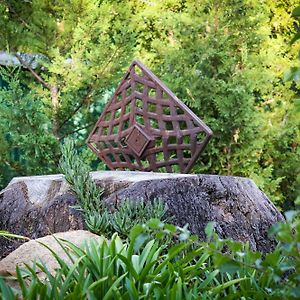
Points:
(121, 157)
(200, 137)
(145, 163)
(158, 142)
(186, 139)
(182, 125)
(195, 124)
(139, 119)
(179, 111)
(123, 143)
(173, 154)
(151, 107)
(113, 144)
(125, 124)
(131, 158)
(154, 123)
(118, 113)
(110, 157)
(187, 153)
(163, 170)
(128, 108)
(169, 125)
(128, 91)
(138, 103)
(115, 129)
(139, 87)
(119, 97)
(138, 71)
(165, 96)
(152, 93)
(172, 140)
(159, 156)
(107, 116)
(175, 168)
(105, 131)
(166, 110)
(102, 145)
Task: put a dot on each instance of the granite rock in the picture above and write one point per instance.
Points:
(40, 205)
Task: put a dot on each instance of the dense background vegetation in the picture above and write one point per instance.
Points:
(225, 59)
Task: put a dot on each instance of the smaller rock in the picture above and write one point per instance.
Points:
(34, 251)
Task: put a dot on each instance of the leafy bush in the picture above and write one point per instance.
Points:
(144, 268)
(139, 269)
(26, 147)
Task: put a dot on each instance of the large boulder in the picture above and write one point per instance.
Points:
(40, 205)
(37, 251)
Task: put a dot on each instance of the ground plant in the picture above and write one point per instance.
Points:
(141, 267)
(102, 218)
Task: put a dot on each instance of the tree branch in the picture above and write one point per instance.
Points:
(82, 102)
(36, 75)
(76, 130)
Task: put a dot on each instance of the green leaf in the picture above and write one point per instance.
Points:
(11, 235)
(6, 291)
(296, 12)
(96, 283)
(154, 224)
(289, 215)
(295, 38)
(110, 291)
(209, 229)
(227, 284)
(211, 276)
(129, 266)
(230, 267)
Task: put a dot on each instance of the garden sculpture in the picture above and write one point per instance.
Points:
(146, 127)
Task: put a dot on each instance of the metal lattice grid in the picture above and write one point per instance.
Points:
(146, 127)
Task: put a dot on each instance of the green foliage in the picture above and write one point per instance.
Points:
(224, 59)
(26, 147)
(82, 48)
(77, 175)
(143, 268)
(7, 234)
(271, 276)
(97, 216)
(129, 213)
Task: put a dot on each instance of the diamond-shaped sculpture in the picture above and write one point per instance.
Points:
(146, 127)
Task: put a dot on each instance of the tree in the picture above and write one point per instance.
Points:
(82, 47)
(226, 60)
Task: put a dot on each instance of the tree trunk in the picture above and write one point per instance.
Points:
(39, 205)
(55, 105)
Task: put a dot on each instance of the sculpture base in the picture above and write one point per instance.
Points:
(40, 205)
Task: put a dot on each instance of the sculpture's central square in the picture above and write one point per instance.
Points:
(137, 140)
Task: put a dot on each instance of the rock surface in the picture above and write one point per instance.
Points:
(35, 251)
(39, 205)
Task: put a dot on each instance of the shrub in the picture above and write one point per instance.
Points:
(146, 267)
(98, 218)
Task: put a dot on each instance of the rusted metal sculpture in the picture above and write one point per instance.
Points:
(146, 127)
